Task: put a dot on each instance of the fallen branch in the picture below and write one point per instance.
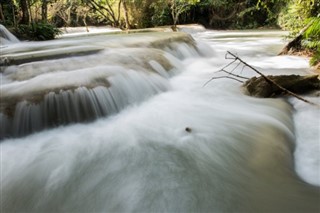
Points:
(306, 82)
(269, 80)
(235, 75)
(259, 87)
(226, 77)
(229, 73)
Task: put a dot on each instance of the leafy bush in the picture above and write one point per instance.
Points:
(300, 14)
(44, 31)
(37, 31)
(161, 15)
(313, 32)
(292, 18)
(312, 39)
(315, 58)
(296, 14)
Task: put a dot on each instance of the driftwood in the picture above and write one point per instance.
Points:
(259, 87)
(270, 86)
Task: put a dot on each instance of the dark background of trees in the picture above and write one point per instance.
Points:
(219, 14)
(39, 19)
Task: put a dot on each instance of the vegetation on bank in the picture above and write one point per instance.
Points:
(302, 19)
(40, 19)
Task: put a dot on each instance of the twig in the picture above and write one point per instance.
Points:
(236, 67)
(230, 73)
(222, 77)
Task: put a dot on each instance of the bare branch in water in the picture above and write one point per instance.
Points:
(235, 75)
(223, 77)
(234, 59)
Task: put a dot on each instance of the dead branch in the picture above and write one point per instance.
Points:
(271, 80)
(223, 77)
(229, 73)
(236, 58)
(235, 75)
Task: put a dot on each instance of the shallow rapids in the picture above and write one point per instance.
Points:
(185, 148)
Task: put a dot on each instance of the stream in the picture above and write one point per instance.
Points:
(129, 123)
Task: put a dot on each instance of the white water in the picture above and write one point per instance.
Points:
(76, 31)
(6, 37)
(190, 149)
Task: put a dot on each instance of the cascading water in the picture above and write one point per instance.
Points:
(187, 149)
(41, 94)
(6, 37)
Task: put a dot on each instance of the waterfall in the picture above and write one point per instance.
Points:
(39, 92)
(131, 128)
(6, 37)
(82, 103)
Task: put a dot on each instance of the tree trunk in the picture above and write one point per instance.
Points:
(13, 12)
(126, 16)
(85, 23)
(1, 13)
(44, 10)
(25, 12)
(174, 15)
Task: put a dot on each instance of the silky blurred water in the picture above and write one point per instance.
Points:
(188, 148)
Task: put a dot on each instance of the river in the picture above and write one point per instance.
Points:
(133, 125)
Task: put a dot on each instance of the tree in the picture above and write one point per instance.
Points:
(44, 10)
(1, 13)
(178, 7)
(125, 11)
(223, 11)
(25, 11)
(108, 9)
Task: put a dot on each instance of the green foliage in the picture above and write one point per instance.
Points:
(300, 14)
(178, 7)
(315, 58)
(312, 39)
(313, 32)
(161, 14)
(8, 10)
(240, 14)
(37, 31)
(294, 15)
(44, 31)
(272, 8)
